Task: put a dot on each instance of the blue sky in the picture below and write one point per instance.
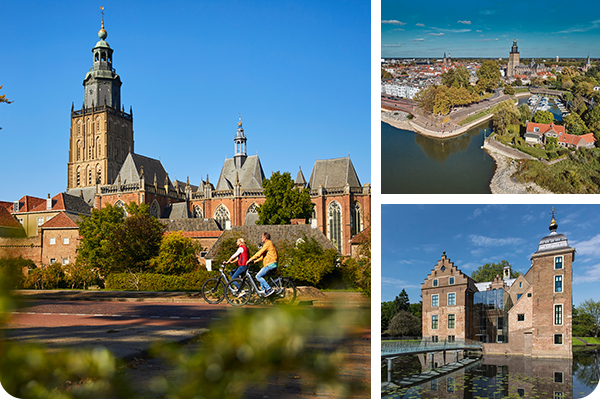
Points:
(487, 28)
(297, 72)
(413, 238)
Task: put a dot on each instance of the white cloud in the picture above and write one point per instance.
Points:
(487, 12)
(396, 282)
(594, 25)
(437, 34)
(399, 29)
(590, 247)
(393, 22)
(453, 30)
(478, 30)
(420, 24)
(591, 274)
(392, 45)
(418, 40)
(485, 241)
(465, 22)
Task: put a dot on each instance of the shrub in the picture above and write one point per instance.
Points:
(53, 276)
(177, 255)
(410, 116)
(305, 261)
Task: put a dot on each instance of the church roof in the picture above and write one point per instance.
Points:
(177, 211)
(334, 172)
(300, 178)
(250, 175)
(132, 166)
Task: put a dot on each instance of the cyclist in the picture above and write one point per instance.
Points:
(241, 255)
(268, 255)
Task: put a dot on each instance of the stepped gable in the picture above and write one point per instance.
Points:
(279, 235)
(62, 220)
(250, 174)
(332, 173)
(130, 171)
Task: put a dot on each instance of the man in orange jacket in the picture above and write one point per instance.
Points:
(268, 254)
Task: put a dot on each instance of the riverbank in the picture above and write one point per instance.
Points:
(503, 183)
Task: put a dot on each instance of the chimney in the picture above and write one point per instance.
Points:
(48, 203)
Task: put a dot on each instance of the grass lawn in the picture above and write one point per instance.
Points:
(591, 340)
(521, 90)
(474, 117)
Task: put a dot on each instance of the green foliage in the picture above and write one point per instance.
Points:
(410, 116)
(404, 323)
(77, 275)
(543, 117)
(229, 246)
(177, 255)
(11, 268)
(551, 143)
(505, 114)
(575, 125)
(457, 77)
(358, 269)
(283, 202)
(487, 272)
(53, 276)
(305, 261)
(390, 308)
(588, 317)
(192, 281)
(524, 114)
(509, 90)
(490, 73)
(592, 119)
(384, 74)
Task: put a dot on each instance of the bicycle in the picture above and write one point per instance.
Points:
(213, 289)
(241, 290)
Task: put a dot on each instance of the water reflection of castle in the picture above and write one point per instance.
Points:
(529, 315)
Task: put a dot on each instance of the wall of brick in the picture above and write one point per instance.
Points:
(59, 251)
(30, 248)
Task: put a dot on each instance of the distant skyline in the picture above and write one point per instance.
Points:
(413, 238)
(297, 72)
(487, 29)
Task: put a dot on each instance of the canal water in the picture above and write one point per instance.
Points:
(496, 377)
(411, 163)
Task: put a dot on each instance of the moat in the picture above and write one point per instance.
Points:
(503, 377)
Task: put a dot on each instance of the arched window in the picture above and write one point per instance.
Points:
(334, 221)
(79, 127)
(78, 150)
(103, 56)
(222, 216)
(155, 209)
(355, 219)
(78, 176)
(96, 57)
(198, 212)
(89, 174)
(251, 215)
(98, 174)
(98, 148)
(121, 204)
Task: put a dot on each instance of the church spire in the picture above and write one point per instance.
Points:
(240, 146)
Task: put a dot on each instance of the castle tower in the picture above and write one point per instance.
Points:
(240, 146)
(513, 59)
(552, 295)
(101, 134)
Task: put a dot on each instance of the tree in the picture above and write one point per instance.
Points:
(401, 302)
(590, 310)
(425, 99)
(283, 202)
(305, 261)
(456, 77)
(404, 323)
(3, 98)
(487, 272)
(490, 71)
(505, 113)
(442, 104)
(385, 74)
(509, 90)
(543, 117)
(592, 119)
(574, 124)
(177, 255)
(524, 113)
(136, 241)
(568, 96)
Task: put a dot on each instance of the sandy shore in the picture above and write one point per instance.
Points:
(502, 181)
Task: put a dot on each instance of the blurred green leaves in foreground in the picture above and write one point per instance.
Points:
(242, 350)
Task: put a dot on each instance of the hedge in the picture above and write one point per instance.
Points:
(192, 281)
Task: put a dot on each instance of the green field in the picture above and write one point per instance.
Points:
(592, 340)
(474, 117)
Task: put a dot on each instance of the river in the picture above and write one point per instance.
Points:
(509, 377)
(411, 163)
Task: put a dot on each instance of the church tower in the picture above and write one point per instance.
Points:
(240, 146)
(552, 296)
(101, 133)
(513, 59)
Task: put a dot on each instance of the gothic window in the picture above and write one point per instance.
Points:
(89, 174)
(78, 150)
(78, 176)
(198, 212)
(222, 216)
(98, 151)
(98, 174)
(355, 219)
(334, 215)
(155, 209)
(79, 127)
(251, 215)
(121, 204)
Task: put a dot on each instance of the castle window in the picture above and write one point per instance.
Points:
(52, 261)
(155, 209)
(521, 392)
(558, 262)
(451, 280)
(103, 56)
(451, 299)
(96, 57)
(520, 317)
(65, 261)
(558, 377)
(435, 283)
(451, 321)
(435, 300)
(78, 176)
(559, 395)
(528, 294)
(434, 321)
(558, 283)
(121, 204)
(435, 339)
(558, 314)
(558, 339)
(520, 284)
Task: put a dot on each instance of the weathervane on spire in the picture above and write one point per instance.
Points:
(102, 11)
(553, 212)
(240, 123)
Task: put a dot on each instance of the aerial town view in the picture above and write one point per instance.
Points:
(180, 216)
(498, 301)
(471, 105)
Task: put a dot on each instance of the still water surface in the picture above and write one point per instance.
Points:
(411, 163)
(496, 377)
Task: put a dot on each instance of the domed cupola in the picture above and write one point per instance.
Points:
(554, 241)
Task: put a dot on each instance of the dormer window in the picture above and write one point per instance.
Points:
(536, 129)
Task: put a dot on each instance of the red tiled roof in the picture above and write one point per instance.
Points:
(58, 203)
(8, 220)
(8, 205)
(28, 203)
(545, 128)
(575, 140)
(61, 220)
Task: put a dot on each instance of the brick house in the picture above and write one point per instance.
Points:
(538, 133)
(60, 238)
(529, 315)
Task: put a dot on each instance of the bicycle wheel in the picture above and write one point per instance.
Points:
(213, 290)
(287, 292)
(238, 292)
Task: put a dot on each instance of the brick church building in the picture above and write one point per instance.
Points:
(103, 169)
(529, 315)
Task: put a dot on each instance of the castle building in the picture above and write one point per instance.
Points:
(103, 169)
(529, 315)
